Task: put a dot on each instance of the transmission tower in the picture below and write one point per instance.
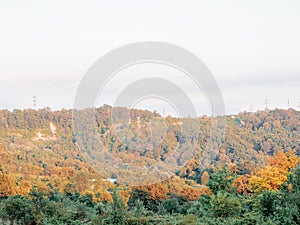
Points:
(267, 104)
(34, 102)
(251, 108)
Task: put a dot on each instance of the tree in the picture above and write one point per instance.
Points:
(139, 209)
(268, 203)
(139, 195)
(275, 173)
(39, 200)
(284, 161)
(158, 191)
(118, 209)
(268, 178)
(242, 185)
(7, 185)
(224, 205)
(294, 180)
(221, 181)
(190, 193)
(17, 209)
(205, 178)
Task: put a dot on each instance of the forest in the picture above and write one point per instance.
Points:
(249, 175)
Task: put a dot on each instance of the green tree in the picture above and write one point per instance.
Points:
(118, 209)
(225, 205)
(221, 181)
(17, 209)
(139, 209)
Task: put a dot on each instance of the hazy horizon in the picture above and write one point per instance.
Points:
(252, 48)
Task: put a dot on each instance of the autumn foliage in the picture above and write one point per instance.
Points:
(275, 173)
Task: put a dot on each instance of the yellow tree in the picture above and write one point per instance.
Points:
(275, 173)
(7, 185)
(284, 161)
(268, 178)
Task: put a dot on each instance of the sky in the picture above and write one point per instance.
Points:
(251, 47)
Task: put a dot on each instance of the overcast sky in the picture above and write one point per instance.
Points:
(251, 47)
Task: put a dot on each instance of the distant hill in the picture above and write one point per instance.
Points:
(40, 145)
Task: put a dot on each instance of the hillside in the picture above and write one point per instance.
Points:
(46, 177)
(39, 145)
